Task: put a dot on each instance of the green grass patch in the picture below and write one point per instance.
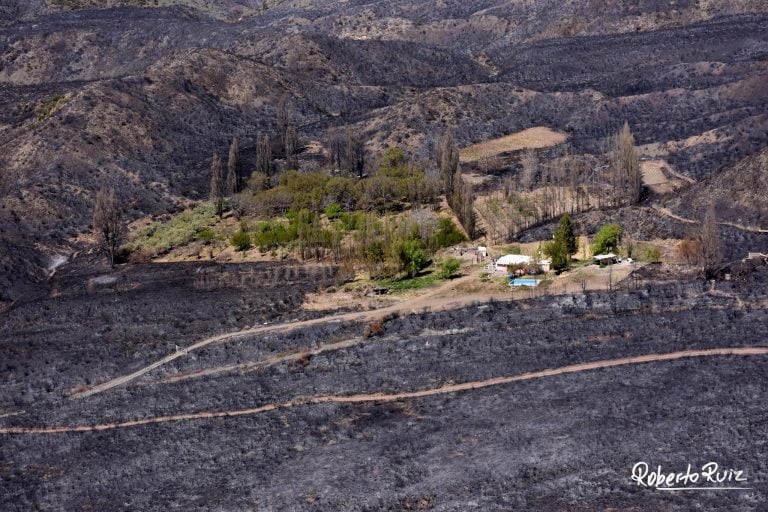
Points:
(414, 283)
(182, 229)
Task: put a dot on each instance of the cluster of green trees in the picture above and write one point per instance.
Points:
(395, 185)
(565, 243)
(387, 246)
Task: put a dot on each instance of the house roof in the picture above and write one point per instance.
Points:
(514, 259)
(608, 256)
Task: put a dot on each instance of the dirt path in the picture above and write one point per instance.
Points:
(668, 213)
(382, 397)
(720, 293)
(678, 175)
(438, 299)
(432, 301)
(263, 363)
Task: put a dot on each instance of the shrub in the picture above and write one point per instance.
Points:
(333, 210)
(242, 239)
(206, 235)
(352, 221)
(258, 182)
(374, 328)
(449, 267)
(50, 106)
(271, 235)
(652, 254)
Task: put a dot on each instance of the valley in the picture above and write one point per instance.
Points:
(381, 256)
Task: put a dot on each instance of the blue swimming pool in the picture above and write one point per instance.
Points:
(524, 282)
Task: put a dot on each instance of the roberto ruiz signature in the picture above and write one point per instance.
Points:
(709, 477)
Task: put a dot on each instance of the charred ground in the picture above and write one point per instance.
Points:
(560, 441)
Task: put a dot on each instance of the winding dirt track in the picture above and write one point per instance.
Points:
(668, 213)
(432, 301)
(381, 397)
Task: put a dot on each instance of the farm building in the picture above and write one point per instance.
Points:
(606, 259)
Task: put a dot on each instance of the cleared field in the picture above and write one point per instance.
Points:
(659, 177)
(536, 137)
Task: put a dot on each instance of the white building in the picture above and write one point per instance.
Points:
(606, 259)
(511, 260)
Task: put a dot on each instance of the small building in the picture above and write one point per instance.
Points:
(504, 263)
(482, 251)
(606, 259)
(545, 265)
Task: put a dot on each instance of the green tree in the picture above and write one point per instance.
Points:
(413, 257)
(563, 245)
(447, 234)
(566, 234)
(607, 239)
(557, 251)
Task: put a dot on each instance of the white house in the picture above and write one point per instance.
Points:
(511, 260)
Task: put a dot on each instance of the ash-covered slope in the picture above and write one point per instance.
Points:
(739, 193)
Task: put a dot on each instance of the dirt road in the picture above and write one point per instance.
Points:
(668, 213)
(447, 389)
(434, 301)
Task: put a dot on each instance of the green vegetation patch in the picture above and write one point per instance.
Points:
(411, 283)
(182, 229)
